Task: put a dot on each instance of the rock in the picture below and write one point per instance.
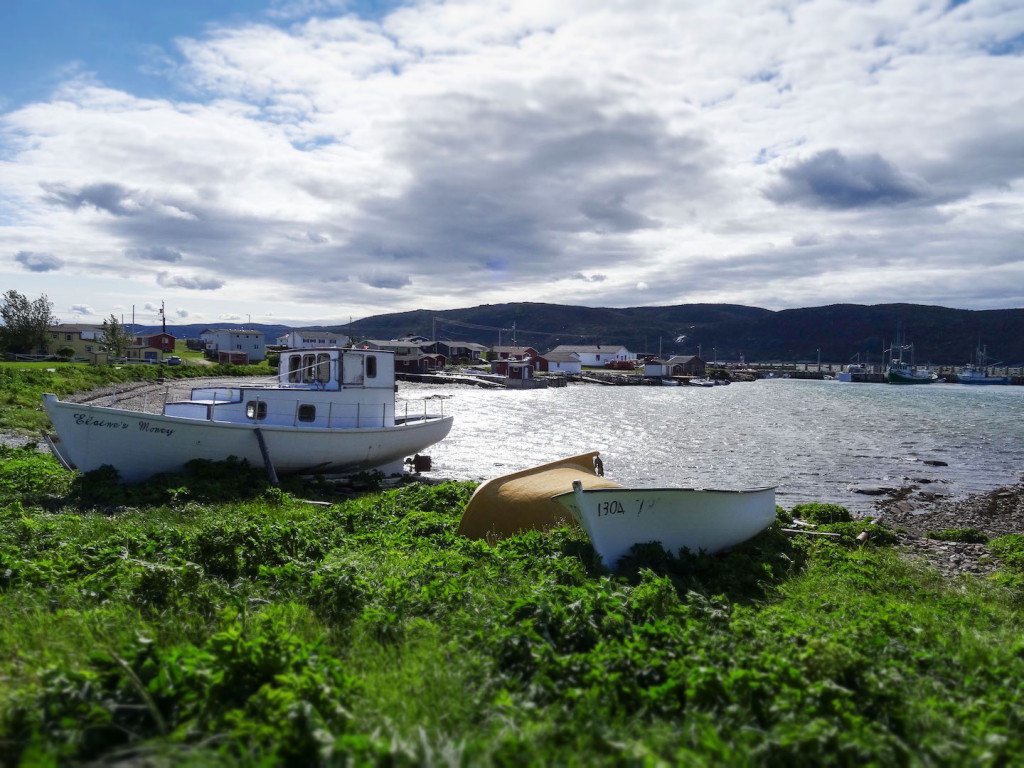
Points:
(873, 490)
(935, 463)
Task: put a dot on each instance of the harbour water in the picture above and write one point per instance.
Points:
(815, 440)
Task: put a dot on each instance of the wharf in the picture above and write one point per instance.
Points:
(445, 378)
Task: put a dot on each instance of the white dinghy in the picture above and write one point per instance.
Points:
(330, 410)
(696, 519)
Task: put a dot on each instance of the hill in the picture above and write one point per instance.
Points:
(939, 334)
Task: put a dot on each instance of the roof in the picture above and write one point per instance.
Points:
(74, 328)
(318, 334)
(599, 349)
(511, 350)
(682, 359)
(395, 343)
(467, 344)
(555, 356)
(239, 331)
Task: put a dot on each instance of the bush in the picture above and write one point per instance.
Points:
(964, 535)
(822, 513)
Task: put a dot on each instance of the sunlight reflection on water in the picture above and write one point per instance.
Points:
(815, 440)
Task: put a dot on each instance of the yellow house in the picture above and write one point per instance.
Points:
(83, 339)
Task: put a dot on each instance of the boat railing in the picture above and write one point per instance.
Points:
(341, 415)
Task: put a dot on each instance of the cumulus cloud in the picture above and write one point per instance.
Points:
(829, 179)
(179, 312)
(154, 253)
(38, 262)
(81, 309)
(192, 283)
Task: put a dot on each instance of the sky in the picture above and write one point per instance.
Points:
(312, 161)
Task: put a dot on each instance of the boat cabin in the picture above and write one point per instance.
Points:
(325, 388)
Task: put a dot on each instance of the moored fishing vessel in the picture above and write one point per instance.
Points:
(977, 372)
(329, 410)
(899, 371)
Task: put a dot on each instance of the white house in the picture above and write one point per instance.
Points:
(306, 339)
(596, 356)
(561, 362)
(235, 342)
(656, 368)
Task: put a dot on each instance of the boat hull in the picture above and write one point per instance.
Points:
(984, 380)
(677, 518)
(522, 501)
(139, 445)
(898, 378)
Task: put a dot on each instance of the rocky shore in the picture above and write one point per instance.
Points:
(995, 513)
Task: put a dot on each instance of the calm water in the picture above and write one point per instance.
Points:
(815, 440)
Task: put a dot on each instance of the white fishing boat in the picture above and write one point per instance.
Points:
(978, 371)
(702, 382)
(329, 410)
(696, 519)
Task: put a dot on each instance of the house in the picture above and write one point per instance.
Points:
(150, 349)
(560, 362)
(656, 368)
(83, 340)
(464, 351)
(598, 355)
(513, 353)
(409, 355)
(229, 344)
(305, 339)
(685, 365)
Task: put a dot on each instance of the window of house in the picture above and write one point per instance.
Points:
(295, 368)
(88, 347)
(67, 337)
(307, 413)
(371, 366)
(255, 409)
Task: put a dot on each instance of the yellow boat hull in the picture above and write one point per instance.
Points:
(522, 501)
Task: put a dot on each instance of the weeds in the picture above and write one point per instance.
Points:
(211, 619)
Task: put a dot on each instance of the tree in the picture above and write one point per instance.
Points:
(25, 322)
(116, 338)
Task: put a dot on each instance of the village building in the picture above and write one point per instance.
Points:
(233, 345)
(150, 349)
(83, 340)
(656, 368)
(308, 338)
(560, 362)
(457, 351)
(596, 356)
(409, 355)
(513, 353)
(685, 365)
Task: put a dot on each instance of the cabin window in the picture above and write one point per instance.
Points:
(255, 409)
(307, 413)
(308, 364)
(323, 368)
(295, 368)
(371, 366)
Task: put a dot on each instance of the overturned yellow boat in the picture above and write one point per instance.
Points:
(523, 501)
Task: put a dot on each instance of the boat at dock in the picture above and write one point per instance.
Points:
(329, 410)
(899, 371)
(977, 372)
(694, 519)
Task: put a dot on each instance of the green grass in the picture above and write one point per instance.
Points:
(22, 384)
(211, 619)
(186, 354)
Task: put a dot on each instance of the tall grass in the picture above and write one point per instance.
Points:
(212, 619)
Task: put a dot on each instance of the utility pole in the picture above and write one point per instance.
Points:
(819, 359)
(163, 318)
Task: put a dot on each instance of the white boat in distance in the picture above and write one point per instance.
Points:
(697, 519)
(330, 410)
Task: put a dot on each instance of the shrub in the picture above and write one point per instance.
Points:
(964, 535)
(822, 513)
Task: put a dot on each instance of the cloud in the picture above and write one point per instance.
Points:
(830, 179)
(179, 312)
(230, 317)
(38, 262)
(595, 278)
(444, 154)
(81, 309)
(192, 283)
(154, 253)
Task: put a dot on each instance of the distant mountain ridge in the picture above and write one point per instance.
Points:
(840, 331)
